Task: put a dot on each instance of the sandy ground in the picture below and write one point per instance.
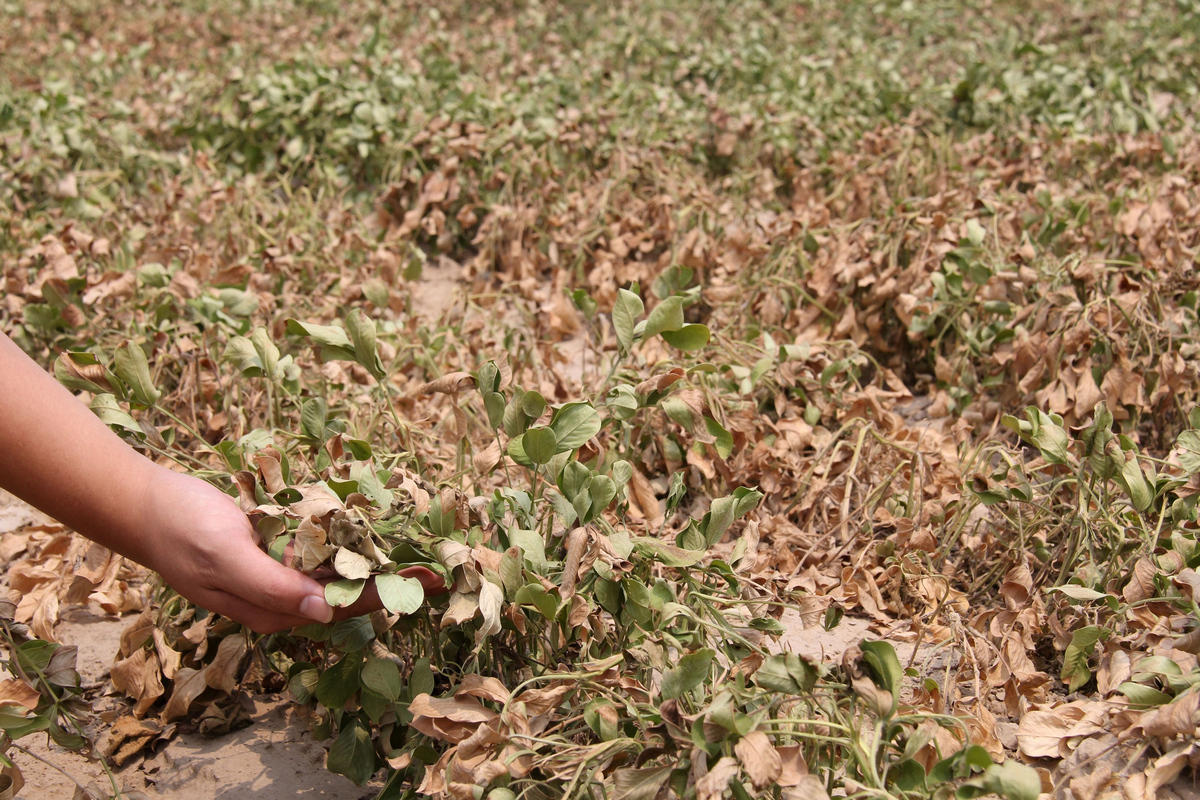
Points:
(272, 759)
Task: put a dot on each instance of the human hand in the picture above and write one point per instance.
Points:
(204, 547)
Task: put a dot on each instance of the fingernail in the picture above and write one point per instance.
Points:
(314, 607)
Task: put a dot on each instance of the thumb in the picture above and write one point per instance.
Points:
(262, 581)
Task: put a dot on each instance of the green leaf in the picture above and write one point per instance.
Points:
(1188, 444)
(331, 340)
(787, 673)
(131, 366)
(267, 352)
(688, 338)
(399, 594)
(351, 635)
(238, 302)
(303, 684)
(344, 592)
(724, 439)
(532, 546)
(535, 595)
(627, 308)
(601, 489)
(111, 414)
(668, 554)
(353, 753)
(532, 404)
(1075, 672)
(488, 377)
(689, 673)
(382, 677)
(361, 329)
(313, 415)
(494, 403)
(539, 444)
(241, 354)
(339, 683)
(884, 666)
(666, 316)
(1135, 484)
(622, 401)
(1144, 696)
(1011, 779)
(1049, 435)
(621, 472)
(573, 425)
(516, 451)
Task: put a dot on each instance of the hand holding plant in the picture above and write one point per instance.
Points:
(205, 548)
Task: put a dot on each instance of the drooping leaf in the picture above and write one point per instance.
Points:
(353, 753)
(1075, 672)
(883, 665)
(688, 673)
(539, 444)
(131, 366)
(361, 331)
(786, 672)
(688, 338)
(627, 308)
(666, 316)
(111, 414)
(631, 783)
(1188, 445)
(350, 564)
(573, 425)
(331, 340)
(382, 677)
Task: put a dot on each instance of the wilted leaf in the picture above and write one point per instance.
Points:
(353, 753)
(131, 366)
(688, 673)
(630, 783)
(760, 761)
(189, 684)
(626, 311)
(222, 672)
(573, 425)
(350, 564)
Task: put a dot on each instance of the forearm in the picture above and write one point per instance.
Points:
(58, 456)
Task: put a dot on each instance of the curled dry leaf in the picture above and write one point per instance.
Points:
(222, 672)
(189, 684)
(451, 383)
(449, 719)
(17, 692)
(1049, 732)
(311, 544)
(760, 761)
(714, 785)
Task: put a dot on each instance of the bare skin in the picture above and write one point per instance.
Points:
(57, 456)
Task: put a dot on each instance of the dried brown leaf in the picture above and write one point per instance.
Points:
(760, 761)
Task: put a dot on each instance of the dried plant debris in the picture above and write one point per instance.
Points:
(672, 347)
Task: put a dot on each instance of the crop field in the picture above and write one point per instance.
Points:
(674, 336)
